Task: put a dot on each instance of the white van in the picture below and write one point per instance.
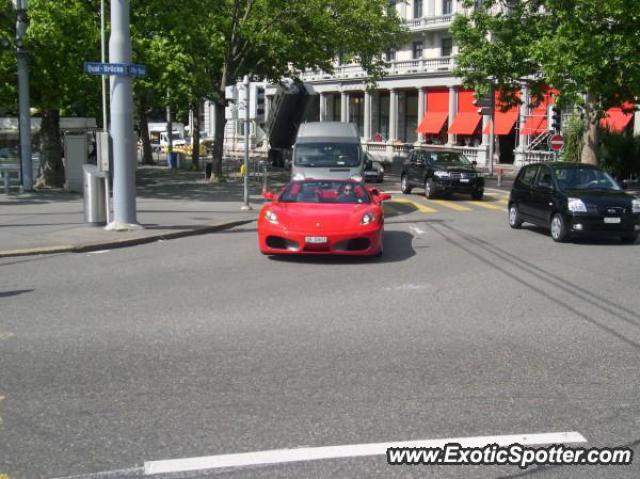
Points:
(327, 150)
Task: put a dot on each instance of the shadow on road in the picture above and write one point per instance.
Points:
(15, 292)
(397, 247)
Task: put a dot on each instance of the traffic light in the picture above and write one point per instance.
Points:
(556, 118)
(485, 104)
(256, 103)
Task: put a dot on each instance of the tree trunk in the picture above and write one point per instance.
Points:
(591, 136)
(218, 143)
(51, 150)
(147, 152)
(195, 142)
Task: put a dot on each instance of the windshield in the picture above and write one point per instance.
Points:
(341, 192)
(584, 179)
(327, 155)
(450, 158)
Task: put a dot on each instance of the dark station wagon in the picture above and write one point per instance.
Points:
(573, 199)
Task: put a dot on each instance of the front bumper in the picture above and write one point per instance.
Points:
(276, 240)
(578, 224)
(459, 185)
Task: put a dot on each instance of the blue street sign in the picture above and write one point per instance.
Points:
(136, 70)
(96, 68)
(116, 69)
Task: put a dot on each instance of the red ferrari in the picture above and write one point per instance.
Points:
(322, 217)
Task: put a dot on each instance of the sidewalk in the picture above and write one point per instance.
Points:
(170, 204)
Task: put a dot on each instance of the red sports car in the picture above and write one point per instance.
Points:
(322, 217)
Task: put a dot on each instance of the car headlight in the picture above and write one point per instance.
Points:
(635, 205)
(271, 217)
(382, 169)
(576, 205)
(367, 219)
(298, 177)
(441, 174)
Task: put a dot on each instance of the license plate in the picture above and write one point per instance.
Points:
(612, 220)
(464, 180)
(315, 239)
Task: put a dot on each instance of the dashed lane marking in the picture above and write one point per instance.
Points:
(5, 335)
(419, 206)
(450, 204)
(279, 456)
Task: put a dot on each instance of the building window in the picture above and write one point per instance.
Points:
(417, 8)
(447, 7)
(478, 4)
(447, 47)
(417, 50)
(391, 55)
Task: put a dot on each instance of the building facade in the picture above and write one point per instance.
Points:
(421, 102)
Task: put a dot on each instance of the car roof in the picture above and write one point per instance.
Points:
(565, 164)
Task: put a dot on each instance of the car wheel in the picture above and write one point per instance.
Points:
(558, 228)
(429, 188)
(629, 238)
(404, 185)
(514, 217)
(477, 195)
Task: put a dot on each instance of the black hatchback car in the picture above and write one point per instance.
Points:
(441, 172)
(573, 199)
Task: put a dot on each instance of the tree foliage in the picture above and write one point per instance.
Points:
(587, 49)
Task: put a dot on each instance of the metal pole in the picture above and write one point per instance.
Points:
(491, 131)
(103, 60)
(26, 167)
(105, 121)
(247, 123)
(124, 162)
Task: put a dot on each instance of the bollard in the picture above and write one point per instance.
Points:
(499, 176)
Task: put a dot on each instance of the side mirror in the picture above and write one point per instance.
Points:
(374, 191)
(268, 195)
(543, 185)
(384, 196)
(474, 163)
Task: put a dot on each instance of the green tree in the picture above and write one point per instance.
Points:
(269, 39)
(8, 78)
(61, 36)
(587, 49)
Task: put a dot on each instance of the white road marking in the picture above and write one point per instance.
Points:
(407, 287)
(416, 230)
(102, 251)
(279, 456)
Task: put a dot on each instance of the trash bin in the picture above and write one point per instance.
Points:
(95, 203)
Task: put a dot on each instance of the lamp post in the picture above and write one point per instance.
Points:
(26, 169)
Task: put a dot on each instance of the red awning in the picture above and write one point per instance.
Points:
(503, 121)
(465, 123)
(616, 120)
(432, 122)
(536, 123)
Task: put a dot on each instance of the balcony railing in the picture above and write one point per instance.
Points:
(429, 23)
(403, 67)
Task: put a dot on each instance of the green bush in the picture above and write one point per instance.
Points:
(573, 131)
(620, 154)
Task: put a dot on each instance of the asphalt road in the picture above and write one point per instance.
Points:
(202, 346)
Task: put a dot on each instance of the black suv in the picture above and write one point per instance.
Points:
(441, 171)
(573, 199)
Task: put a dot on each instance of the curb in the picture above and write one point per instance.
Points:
(112, 244)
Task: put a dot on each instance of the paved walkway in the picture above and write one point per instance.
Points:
(169, 204)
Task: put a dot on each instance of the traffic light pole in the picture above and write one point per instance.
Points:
(247, 123)
(26, 168)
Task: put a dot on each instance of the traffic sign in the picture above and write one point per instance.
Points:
(115, 69)
(136, 70)
(556, 142)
